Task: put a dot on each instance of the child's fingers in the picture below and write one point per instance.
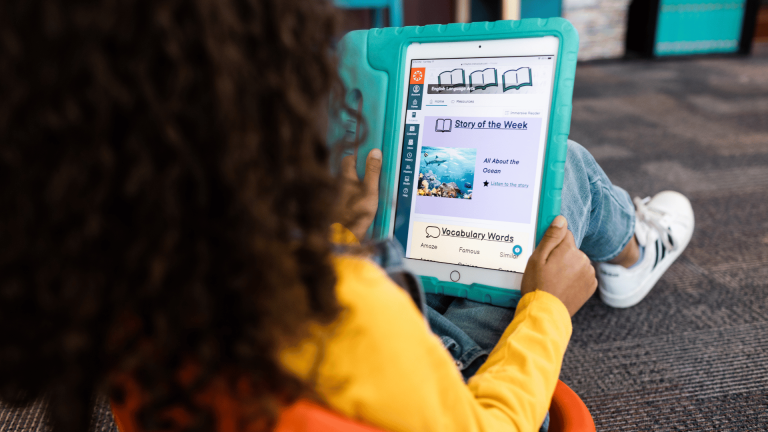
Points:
(569, 239)
(551, 239)
(372, 171)
(348, 168)
(564, 248)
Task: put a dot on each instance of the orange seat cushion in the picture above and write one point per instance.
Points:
(567, 413)
(304, 416)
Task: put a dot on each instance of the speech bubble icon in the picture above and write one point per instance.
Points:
(433, 232)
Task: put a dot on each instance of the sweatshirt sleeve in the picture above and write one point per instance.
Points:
(380, 363)
(519, 377)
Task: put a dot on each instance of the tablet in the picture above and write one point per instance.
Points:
(471, 103)
(471, 155)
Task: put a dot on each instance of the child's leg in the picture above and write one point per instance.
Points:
(602, 219)
(468, 329)
(601, 216)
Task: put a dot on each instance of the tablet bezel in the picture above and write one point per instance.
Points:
(534, 46)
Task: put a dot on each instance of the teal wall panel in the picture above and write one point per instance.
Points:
(698, 27)
(541, 8)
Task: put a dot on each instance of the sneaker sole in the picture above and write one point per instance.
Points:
(644, 288)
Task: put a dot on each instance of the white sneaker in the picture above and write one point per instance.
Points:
(664, 226)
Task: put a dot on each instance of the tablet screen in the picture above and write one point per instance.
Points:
(472, 153)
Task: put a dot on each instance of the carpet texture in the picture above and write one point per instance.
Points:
(694, 354)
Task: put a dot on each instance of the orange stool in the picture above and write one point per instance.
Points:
(566, 414)
(304, 416)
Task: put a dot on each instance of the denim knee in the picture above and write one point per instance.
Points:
(600, 215)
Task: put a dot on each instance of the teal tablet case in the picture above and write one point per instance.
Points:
(372, 62)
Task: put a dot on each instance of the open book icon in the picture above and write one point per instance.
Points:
(483, 79)
(443, 125)
(451, 78)
(516, 78)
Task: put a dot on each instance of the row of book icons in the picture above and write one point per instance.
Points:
(482, 79)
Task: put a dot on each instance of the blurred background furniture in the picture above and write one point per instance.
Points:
(492, 10)
(607, 28)
(686, 27)
(602, 26)
(761, 27)
(394, 8)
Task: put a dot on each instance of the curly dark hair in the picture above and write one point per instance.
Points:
(165, 197)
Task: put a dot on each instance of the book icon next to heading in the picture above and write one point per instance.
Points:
(443, 125)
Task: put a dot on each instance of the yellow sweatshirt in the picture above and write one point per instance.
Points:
(380, 363)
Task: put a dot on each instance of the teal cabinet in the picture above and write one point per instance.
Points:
(541, 8)
(687, 27)
(699, 27)
(490, 10)
(377, 7)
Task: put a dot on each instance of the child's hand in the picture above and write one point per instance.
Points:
(360, 199)
(558, 267)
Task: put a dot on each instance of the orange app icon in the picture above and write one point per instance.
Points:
(417, 75)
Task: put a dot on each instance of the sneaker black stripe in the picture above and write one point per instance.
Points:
(657, 254)
(663, 251)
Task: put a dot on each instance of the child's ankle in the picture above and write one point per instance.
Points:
(629, 256)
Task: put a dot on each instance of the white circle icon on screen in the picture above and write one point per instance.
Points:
(416, 89)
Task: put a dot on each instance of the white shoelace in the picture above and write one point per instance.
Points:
(652, 217)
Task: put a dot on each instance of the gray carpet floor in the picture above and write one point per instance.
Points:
(694, 354)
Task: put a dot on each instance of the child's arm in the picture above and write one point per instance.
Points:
(516, 383)
(381, 364)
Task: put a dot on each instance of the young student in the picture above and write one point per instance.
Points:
(166, 234)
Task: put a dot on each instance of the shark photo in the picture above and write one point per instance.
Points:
(446, 172)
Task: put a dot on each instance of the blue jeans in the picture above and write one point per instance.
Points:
(601, 217)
